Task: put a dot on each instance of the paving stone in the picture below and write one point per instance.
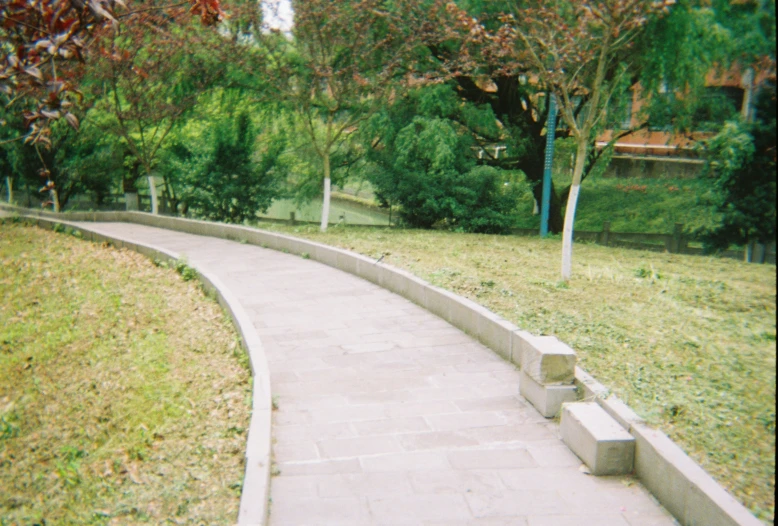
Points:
(295, 511)
(350, 465)
(290, 452)
(396, 509)
(392, 426)
(460, 482)
(578, 520)
(420, 409)
(557, 455)
(364, 485)
(434, 440)
(491, 458)
(354, 447)
(460, 421)
(485, 521)
(515, 503)
(406, 462)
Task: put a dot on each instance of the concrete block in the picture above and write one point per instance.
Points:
(347, 262)
(367, 269)
(438, 302)
(548, 361)
(417, 290)
(620, 411)
(464, 316)
(495, 333)
(590, 388)
(395, 280)
(326, 255)
(603, 445)
(547, 399)
(518, 340)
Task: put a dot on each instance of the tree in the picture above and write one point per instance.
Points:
(345, 61)
(147, 77)
(45, 40)
(741, 163)
(571, 51)
(70, 163)
(677, 50)
(421, 157)
(233, 180)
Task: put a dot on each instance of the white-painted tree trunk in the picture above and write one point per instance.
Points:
(572, 202)
(153, 191)
(54, 199)
(9, 184)
(325, 207)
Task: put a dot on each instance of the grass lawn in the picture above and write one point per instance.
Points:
(687, 341)
(124, 396)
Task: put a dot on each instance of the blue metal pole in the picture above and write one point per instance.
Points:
(549, 161)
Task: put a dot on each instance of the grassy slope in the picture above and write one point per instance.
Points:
(123, 398)
(688, 341)
(633, 205)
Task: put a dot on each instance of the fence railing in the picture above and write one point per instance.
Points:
(675, 242)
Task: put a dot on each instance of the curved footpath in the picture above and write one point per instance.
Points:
(386, 414)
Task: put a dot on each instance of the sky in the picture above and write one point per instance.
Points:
(278, 14)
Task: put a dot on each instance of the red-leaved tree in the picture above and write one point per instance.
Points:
(44, 43)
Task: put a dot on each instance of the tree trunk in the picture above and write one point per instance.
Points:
(153, 191)
(572, 202)
(325, 207)
(9, 183)
(54, 199)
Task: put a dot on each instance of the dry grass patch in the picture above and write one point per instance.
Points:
(124, 396)
(688, 342)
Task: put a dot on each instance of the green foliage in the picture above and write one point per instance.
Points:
(182, 267)
(232, 178)
(741, 167)
(425, 162)
(78, 163)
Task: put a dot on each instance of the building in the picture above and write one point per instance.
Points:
(657, 151)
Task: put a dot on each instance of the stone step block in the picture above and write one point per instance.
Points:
(547, 399)
(548, 361)
(598, 440)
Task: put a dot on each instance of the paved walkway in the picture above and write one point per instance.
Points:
(389, 415)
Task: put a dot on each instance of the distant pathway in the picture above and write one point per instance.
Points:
(389, 415)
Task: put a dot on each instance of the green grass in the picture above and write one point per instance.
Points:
(124, 397)
(632, 205)
(687, 341)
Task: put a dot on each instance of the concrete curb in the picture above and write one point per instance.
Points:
(681, 485)
(256, 482)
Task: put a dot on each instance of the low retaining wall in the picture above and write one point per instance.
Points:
(680, 484)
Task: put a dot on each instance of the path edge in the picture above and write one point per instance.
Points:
(681, 485)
